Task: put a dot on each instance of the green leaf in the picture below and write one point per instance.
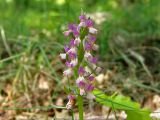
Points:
(120, 102)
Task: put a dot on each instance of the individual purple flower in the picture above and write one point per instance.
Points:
(72, 43)
(81, 84)
(91, 38)
(66, 48)
(88, 46)
(72, 50)
(80, 80)
(90, 78)
(68, 64)
(82, 18)
(81, 71)
(94, 60)
(76, 33)
(72, 27)
(72, 55)
(89, 87)
(89, 23)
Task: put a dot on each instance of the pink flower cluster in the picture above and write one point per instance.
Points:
(78, 53)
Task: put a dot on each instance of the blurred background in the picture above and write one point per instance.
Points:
(31, 38)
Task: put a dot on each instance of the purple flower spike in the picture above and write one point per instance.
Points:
(90, 78)
(94, 60)
(89, 87)
(81, 70)
(82, 18)
(89, 23)
(82, 42)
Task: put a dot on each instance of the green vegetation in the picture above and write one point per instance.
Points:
(31, 39)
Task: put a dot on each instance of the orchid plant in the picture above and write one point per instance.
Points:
(79, 58)
(78, 55)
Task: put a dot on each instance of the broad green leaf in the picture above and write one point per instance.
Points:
(119, 102)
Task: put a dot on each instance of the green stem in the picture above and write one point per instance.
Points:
(72, 114)
(80, 107)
